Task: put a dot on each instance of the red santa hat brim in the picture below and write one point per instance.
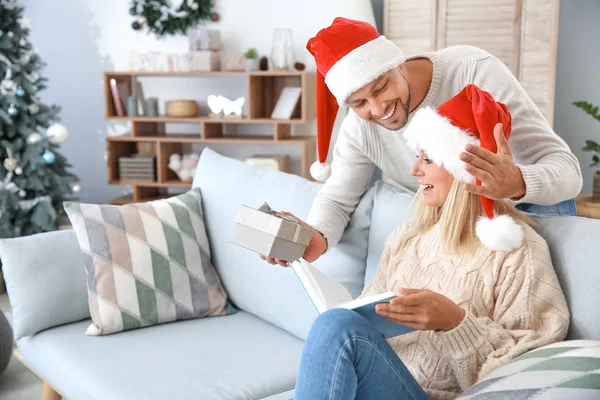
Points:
(362, 66)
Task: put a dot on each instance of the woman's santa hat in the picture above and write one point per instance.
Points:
(349, 54)
(442, 134)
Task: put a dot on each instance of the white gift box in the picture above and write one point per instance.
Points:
(270, 233)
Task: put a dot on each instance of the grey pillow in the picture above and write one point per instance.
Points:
(45, 281)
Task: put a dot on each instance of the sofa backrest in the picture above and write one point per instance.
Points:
(574, 244)
(272, 292)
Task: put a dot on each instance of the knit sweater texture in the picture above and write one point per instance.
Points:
(513, 303)
(550, 170)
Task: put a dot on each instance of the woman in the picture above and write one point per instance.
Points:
(474, 279)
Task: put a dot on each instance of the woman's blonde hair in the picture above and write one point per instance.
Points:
(458, 216)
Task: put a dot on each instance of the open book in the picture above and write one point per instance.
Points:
(326, 293)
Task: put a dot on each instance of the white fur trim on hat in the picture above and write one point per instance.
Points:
(441, 141)
(499, 234)
(361, 66)
(321, 172)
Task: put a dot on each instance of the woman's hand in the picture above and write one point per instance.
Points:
(422, 309)
(316, 247)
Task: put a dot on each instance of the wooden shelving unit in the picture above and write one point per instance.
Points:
(148, 135)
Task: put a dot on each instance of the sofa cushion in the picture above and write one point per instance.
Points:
(565, 370)
(271, 292)
(147, 263)
(391, 207)
(231, 357)
(45, 281)
(575, 249)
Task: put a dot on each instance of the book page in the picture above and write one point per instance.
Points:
(324, 292)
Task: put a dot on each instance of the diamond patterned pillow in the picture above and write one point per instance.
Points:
(147, 263)
(564, 370)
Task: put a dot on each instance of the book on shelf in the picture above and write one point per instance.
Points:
(325, 294)
(119, 92)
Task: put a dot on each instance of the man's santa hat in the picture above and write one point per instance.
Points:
(442, 134)
(349, 54)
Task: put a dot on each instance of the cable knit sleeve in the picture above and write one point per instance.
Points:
(351, 172)
(550, 170)
(530, 311)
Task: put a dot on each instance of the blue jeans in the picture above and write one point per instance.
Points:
(345, 358)
(564, 208)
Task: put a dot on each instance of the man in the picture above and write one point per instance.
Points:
(359, 68)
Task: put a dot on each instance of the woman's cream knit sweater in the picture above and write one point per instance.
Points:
(513, 303)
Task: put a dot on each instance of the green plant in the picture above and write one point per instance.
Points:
(251, 54)
(591, 145)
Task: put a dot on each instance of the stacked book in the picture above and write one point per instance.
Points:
(138, 167)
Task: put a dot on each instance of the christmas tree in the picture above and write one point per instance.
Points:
(34, 180)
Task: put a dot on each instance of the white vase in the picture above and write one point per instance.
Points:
(251, 64)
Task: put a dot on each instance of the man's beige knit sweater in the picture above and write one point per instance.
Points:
(550, 170)
(513, 303)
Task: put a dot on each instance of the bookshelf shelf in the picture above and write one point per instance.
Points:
(147, 135)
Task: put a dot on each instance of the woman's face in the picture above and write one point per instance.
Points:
(435, 180)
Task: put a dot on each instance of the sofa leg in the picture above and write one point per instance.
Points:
(48, 393)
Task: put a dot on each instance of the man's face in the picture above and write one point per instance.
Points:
(384, 101)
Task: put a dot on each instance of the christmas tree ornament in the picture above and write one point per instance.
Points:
(57, 134)
(76, 188)
(1, 34)
(8, 87)
(136, 25)
(142, 20)
(214, 17)
(18, 171)
(194, 6)
(10, 163)
(33, 109)
(34, 137)
(34, 88)
(23, 42)
(20, 92)
(48, 157)
(10, 34)
(12, 110)
(22, 193)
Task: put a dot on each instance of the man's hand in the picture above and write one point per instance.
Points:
(316, 247)
(422, 309)
(499, 175)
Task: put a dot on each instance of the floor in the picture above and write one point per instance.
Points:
(17, 383)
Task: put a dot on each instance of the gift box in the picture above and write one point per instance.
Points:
(234, 62)
(270, 233)
(204, 60)
(204, 39)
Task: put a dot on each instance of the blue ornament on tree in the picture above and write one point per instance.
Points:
(1, 34)
(20, 92)
(34, 88)
(48, 157)
(12, 110)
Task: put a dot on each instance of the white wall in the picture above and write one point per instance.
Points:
(81, 39)
(578, 78)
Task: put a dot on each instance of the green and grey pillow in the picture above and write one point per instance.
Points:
(147, 263)
(564, 370)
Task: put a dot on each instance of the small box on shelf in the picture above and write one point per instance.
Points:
(204, 60)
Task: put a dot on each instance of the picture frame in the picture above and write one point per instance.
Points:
(286, 103)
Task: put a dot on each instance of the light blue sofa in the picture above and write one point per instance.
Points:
(254, 353)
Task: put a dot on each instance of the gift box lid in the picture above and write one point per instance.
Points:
(274, 223)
